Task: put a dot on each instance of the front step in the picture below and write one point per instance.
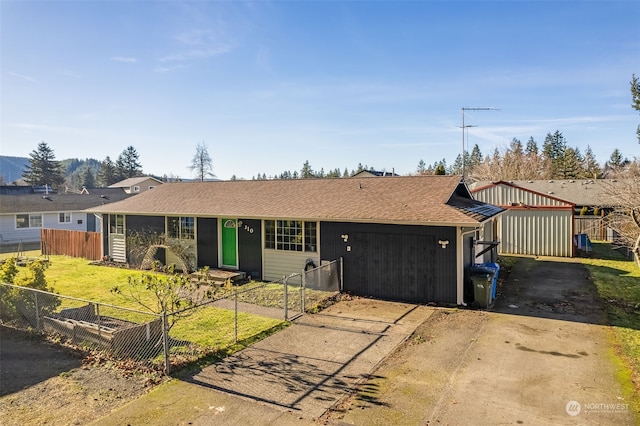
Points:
(221, 276)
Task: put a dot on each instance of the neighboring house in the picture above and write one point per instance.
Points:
(25, 189)
(22, 216)
(137, 185)
(535, 223)
(374, 173)
(589, 196)
(400, 238)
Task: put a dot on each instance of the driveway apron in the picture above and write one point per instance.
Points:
(311, 365)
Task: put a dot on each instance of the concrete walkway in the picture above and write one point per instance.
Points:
(291, 377)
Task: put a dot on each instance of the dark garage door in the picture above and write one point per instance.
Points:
(393, 267)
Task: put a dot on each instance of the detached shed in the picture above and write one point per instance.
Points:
(535, 223)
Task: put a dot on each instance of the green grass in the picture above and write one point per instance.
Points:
(617, 280)
(209, 328)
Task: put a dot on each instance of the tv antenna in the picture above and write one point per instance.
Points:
(463, 109)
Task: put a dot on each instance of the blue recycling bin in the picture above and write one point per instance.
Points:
(496, 269)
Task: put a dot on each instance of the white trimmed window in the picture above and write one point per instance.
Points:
(182, 228)
(64, 217)
(136, 188)
(116, 224)
(29, 220)
(291, 235)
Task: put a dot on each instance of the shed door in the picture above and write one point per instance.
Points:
(229, 243)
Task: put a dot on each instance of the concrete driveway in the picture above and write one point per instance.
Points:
(292, 377)
(540, 357)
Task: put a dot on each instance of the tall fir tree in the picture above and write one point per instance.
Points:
(87, 179)
(532, 147)
(553, 149)
(128, 163)
(635, 99)
(590, 167)
(43, 169)
(107, 175)
(306, 172)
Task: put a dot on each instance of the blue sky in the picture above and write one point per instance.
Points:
(268, 85)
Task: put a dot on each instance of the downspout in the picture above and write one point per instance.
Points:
(460, 262)
(573, 230)
(99, 217)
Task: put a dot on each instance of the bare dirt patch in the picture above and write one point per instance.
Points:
(46, 383)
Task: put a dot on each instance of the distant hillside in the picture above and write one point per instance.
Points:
(11, 168)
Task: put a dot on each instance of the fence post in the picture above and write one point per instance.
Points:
(235, 317)
(165, 343)
(286, 299)
(303, 284)
(35, 296)
(98, 319)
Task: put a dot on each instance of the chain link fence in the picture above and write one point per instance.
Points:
(118, 331)
(234, 316)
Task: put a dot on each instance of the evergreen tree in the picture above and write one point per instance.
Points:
(616, 162)
(108, 175)
(456, 167)
(440, 170)
(532, 147)
(87, 179)
(422, 167)
(128, 163)
(571, 166)
(306, 171)
(590, 167)
(475, 158)
(43, 169)
(345, 173)
(553, 149)
(635, 97)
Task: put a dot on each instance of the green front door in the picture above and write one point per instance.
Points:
(229, 243)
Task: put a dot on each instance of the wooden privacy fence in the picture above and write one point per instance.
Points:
(71, 243)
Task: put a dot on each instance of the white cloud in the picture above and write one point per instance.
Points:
(126, 59)
(199, 44)
(22, 76)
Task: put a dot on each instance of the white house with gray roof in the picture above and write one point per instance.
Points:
(22, 216)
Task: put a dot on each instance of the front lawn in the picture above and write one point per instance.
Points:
(617, 280)
(209, 328)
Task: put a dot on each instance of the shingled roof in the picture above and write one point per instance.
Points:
(581, 192)
(408, 200)
(39, 203)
